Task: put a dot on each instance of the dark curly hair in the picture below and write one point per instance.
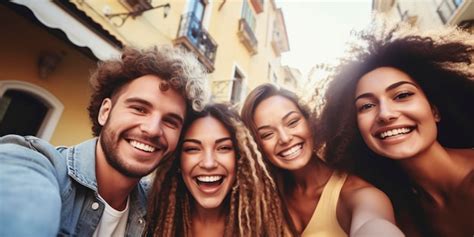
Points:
(181, 69)
(440, 64)
(253, 205)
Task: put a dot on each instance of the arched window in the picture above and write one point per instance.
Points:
(26, 109)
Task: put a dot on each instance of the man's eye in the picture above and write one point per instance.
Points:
(171, 123)
(139, 109)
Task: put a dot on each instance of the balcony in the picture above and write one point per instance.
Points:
(247, 37)
(196, 39)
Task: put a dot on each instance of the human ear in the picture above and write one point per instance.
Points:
(104, 111)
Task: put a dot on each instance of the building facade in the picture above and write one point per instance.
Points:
(429, 14)
(50, 47)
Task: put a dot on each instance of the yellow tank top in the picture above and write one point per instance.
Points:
(324, 220)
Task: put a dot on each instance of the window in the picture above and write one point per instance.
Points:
(236, 87)
(198, 8)
(247, 14)
(26, 109)
(21, 113)
(457, 3)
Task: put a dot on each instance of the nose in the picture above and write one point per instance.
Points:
(208, 160)
(387, 112)
(152, 126)
(284, 136)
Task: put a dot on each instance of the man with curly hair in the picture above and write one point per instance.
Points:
(138, 107)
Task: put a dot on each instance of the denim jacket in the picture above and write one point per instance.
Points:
(47, 191)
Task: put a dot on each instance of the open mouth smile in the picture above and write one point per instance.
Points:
(394, 132)
(209, 183)
(142, 146)
(292, 151)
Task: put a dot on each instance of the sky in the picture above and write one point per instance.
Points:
(317, 29)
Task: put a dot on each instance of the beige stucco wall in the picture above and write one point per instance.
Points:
(151, 28)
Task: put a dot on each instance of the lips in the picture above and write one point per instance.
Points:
(209, 183)
(387, 133)
(292, 151)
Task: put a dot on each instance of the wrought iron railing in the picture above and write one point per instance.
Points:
(191, 28)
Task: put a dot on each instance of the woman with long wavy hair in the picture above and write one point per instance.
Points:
(218, 185)
(400, 113)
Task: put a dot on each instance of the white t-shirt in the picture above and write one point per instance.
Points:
(113, 222)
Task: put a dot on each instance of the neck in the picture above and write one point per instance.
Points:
(314, 174)
(434, 171)
(208, 215)
(207, 222)
(112, 185)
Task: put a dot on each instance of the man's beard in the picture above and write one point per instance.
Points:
(110, 148)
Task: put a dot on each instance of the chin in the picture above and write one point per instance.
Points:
(398, 154)
(210, 204)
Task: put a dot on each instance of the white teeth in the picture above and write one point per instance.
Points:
(394, 132)
(292, 150)
(142, 146)
(209, 179)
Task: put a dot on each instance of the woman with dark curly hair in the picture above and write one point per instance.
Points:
(400, 114)
(320, 201)
(218, 185)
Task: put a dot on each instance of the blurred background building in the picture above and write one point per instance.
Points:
(429, 14)
(49, 49)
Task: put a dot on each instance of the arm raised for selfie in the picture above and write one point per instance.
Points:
(30, 203)
(372, 214)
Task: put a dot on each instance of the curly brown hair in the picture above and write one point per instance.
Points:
(181, 69)
(440, 64)
(253, 204)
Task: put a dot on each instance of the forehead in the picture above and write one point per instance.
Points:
(273, 109)
(380, 78)
(207, 128)
(147, 88)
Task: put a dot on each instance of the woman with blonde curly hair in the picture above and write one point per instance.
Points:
(218, 185)
(400, 112)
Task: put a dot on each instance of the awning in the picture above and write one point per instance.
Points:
(55, 17)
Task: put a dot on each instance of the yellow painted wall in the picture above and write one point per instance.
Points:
(146, 30)
(222, 24)
(224, 27)
(20, 46)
